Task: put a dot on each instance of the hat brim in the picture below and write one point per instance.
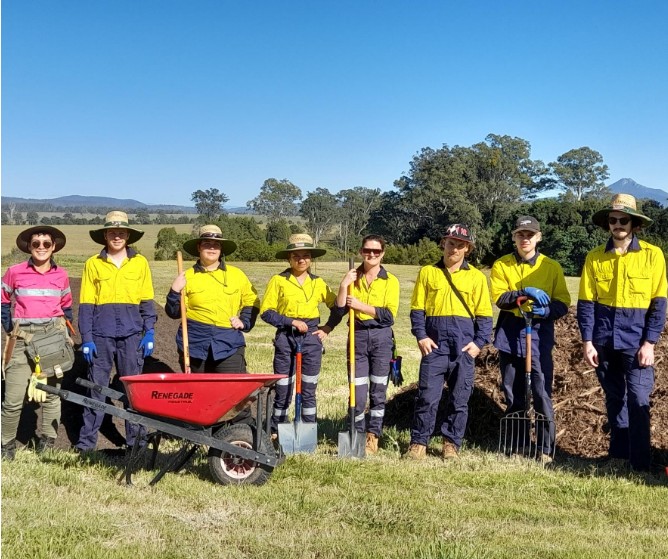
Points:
(133, 235)
(532, 229)
(600, 218)
(23, 240)
(226, 246)
(315, 252)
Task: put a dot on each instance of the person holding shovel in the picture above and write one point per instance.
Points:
(221, 304)
(375, 302)
(621, 314)
(116, 317)
(290, 304)
(451, 318)
(42, 301)
(528, 273)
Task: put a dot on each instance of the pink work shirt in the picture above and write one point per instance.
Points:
(37, 297)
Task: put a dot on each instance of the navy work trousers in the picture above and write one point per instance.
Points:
(373, 352)
(285, 350)
(441, 366)
(125, 354)
(627, 388)
(513, 380)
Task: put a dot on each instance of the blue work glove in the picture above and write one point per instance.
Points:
(147, 343)
(89, 351)
(538, 295)
(539, 311)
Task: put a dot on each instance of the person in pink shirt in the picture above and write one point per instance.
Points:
(36, 301)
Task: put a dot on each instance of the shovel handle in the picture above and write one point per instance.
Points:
(184, 319)
(351, 343)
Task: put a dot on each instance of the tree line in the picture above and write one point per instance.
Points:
(487, 186)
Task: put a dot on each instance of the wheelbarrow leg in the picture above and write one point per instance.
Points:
(178, 461)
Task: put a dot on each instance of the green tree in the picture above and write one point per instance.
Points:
(32, 217)
(277, 199)
(278, 231)
(356, 205)
(168, 242)
(581, 172)
(320, 210)
(142, 217)
(209, 204)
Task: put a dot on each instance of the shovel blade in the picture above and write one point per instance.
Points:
(298, 437)
(352, 445)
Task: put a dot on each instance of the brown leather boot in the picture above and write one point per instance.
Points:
(449, 450)
(371, 443)
(416, 452)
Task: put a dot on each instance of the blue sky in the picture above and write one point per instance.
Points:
(154, 99)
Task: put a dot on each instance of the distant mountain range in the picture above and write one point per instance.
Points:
(68, 203)
(629, 186)
(101, 204)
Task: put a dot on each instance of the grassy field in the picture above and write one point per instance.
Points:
(319, 506)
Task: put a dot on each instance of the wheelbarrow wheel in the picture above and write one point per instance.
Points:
(229, 469)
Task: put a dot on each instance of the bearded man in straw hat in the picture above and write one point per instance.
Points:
(291, 305)
(116, 316)
(40, 292)
(621, 314)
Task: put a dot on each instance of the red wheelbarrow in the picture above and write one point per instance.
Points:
(198, 409)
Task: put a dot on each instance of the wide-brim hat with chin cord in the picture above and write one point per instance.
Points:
(24, 238)
(300, 241)
(116, 220)
(624, 203)
(210, 233)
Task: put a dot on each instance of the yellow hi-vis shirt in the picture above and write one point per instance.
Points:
(382, 293)
(116, 302)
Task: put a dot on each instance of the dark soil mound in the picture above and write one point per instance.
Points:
(578, 399)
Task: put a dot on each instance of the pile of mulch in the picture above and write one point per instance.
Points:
(578, 399)
(580, 416)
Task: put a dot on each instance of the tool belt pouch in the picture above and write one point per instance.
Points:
(56, 355)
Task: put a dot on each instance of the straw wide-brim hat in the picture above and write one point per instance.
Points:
(116, 220)
(300, 241)
(210, 233)
(24, 238)
(620, 203)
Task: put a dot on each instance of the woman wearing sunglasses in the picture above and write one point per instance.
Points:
(527, 272)
(375, 301)
(40, 292)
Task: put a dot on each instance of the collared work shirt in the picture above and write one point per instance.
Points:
(382, 294)
(116, 302)
(286, 300)
(38, 298)
(437, 312)
(622, 299)
(510, 274)
(212, 298)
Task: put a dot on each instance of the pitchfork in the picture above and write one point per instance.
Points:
(523, 432)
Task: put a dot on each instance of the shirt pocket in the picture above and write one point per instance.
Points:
(604, 284)
(640, 282)
(435, 298)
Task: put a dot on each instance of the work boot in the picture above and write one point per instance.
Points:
(416, 452)
(371, 443)
(449, 450)
(45, 443)
(9, 450)
(545, 458)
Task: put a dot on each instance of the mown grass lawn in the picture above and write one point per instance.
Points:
(319, 506)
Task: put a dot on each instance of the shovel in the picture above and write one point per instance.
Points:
(184, 319)
(351, 443)
(298, 436)
(522, 432)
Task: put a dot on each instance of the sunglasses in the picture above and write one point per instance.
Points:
(372, 251)
(621, 220)
(46, 244)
